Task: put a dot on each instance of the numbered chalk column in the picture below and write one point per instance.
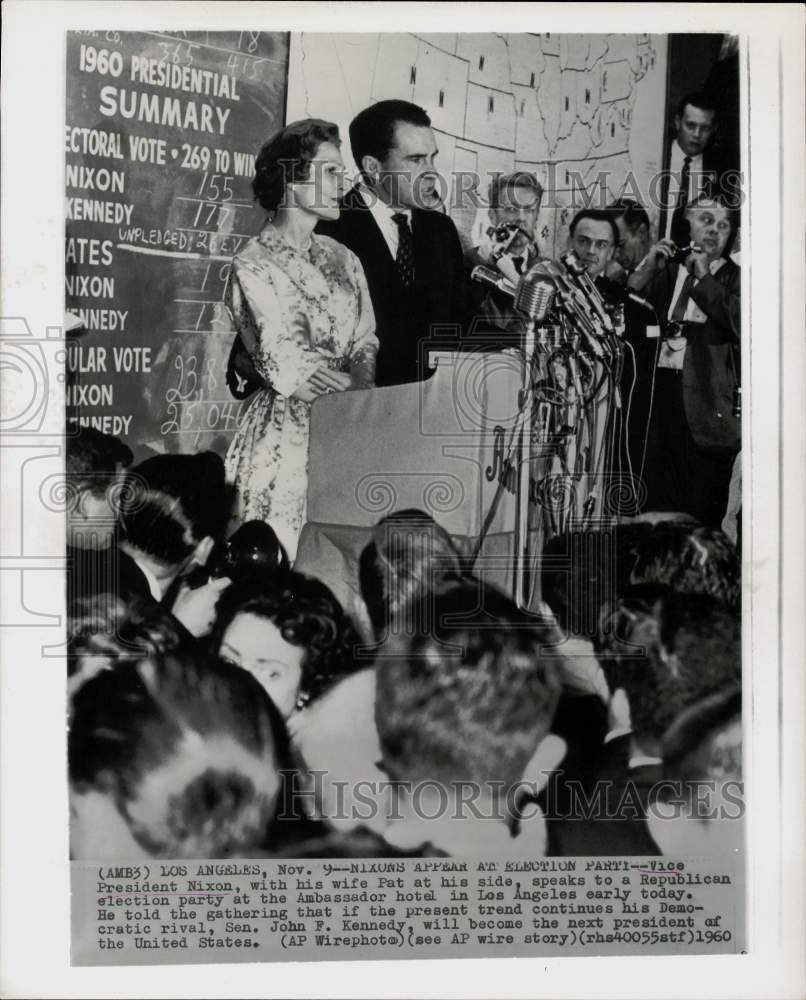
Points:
(161, 135)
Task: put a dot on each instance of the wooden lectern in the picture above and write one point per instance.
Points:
(450, 446)
(439, 446)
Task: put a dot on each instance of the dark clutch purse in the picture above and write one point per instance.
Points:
(242, 376)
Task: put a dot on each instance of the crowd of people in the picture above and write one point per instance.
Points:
(224, 704)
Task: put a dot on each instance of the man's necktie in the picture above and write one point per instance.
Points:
(679, 311)
(685, 178)
(405, 249)
(680, 230)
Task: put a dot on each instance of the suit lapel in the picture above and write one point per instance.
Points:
(365, 227)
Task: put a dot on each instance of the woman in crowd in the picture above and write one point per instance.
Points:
(290, 633)
(300, 304)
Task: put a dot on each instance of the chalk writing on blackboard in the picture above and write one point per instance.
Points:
(161, 134)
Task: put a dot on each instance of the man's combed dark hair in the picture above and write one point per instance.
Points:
(470, 698)
(372, 131)
(634, 215)
(696, 99)
(595, 215)
(285, 158)
(667, 651)
(170, 503)
(93, 458)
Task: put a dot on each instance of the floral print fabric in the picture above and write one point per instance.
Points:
(296, 311)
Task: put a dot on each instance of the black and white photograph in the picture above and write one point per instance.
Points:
(397, 430)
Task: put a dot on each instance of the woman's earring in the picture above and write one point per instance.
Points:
(302, 700)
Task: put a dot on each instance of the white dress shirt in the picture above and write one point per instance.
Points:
(695, 180)
(673, 349)
(382, 214)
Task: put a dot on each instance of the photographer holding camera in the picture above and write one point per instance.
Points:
(693, 366)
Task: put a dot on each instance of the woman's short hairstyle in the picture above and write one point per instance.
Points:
(471, 697)
(306, 614)
(286, 157)
(170, 503)
(141, 717)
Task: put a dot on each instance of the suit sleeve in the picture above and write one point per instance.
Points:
(364, 345)
(461, 308)
(720, 301)
(279, 349)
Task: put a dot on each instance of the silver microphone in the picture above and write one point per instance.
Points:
(487, 276)
(575, 267)
(535, 292)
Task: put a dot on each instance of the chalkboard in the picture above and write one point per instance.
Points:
(161, 133)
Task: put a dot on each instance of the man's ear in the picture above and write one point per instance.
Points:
(618, 711)
(202, 551)
(80, 507)
(677, 123)
(371, 167)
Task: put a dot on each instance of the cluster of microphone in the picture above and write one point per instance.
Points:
(563, 292)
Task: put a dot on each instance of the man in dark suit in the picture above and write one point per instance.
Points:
(410, 251)
(693, 167)
(694, 432)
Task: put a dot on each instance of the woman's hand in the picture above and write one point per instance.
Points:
(323, 382)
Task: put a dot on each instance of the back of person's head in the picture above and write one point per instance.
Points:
(104, 632)
(584, 570)
(176, 506)
(94, 458)
(686, 557)
(701, 799)
(253, 551)
(470, 698)
(704, 743)
(409, 558)
(94, 463)
(306, 614)
(182, 753)
(372, 131)
(634, 215)
(667, 651)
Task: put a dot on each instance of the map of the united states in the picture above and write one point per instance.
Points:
(583, 112)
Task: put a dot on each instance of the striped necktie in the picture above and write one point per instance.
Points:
(680, 230)
(405, 249)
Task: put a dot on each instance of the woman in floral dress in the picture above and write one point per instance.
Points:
(301, 306)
